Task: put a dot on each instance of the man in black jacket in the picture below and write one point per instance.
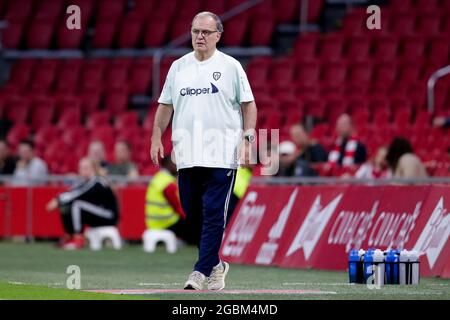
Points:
(91, 202)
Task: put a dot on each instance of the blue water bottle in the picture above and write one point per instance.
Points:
(353, 264)
(392, 259)
(368, 264)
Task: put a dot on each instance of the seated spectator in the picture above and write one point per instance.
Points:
(347, 150)
(91, 202)
(376, 167)
(402, 160)
(7, 162)
(123, 165)
(96, 152)
(288, 155)
(441, 122)
(162, 203)
(29, 168)
(309, 150)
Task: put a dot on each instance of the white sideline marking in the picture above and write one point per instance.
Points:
(143, 284)
(236, 292)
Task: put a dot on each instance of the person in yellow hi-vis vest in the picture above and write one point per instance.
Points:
(162, 202)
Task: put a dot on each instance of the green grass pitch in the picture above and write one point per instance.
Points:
(38, 271)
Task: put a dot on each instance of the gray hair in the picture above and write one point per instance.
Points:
(219, 25)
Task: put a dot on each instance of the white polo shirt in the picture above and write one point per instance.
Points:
(207, 122)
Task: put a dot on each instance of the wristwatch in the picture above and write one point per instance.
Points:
(250, 137)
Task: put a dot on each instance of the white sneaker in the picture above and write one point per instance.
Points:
(195, 281)
(216, 280)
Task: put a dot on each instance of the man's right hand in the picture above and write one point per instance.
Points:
(156, 151)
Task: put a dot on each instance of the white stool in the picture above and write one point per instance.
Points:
(97, 235)
(152, 237)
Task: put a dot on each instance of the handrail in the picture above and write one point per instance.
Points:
(159, 53)
(69, 179)
(432, 83)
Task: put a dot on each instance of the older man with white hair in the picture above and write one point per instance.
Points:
(214, 117)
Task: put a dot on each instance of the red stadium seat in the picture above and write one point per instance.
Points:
(188, 9)
(283, 72)
(360, 73)
(69, 117)
(179, 28)
(110, 9)
(13, 33)
(427, 6)
(116, 100)
(44, 135)
(44, 75)
(402, 24)
(217, 6)
(104, 133)
(258, 70)
(331, 48)
(18, 110)
(308, 73)
(19, 9)
(92, 75)
(438, 50)
(358, 48)
(314, 10)
(386, 49)
(286, 11)
(236, 29)
(409, 72)
(354, 23)
(413, 48)
(49, 9)
(43, 112)
(305, 47)
(69, 38)
(67, 78)
(67, 102)
(105, 31)
(125, 120)
(315, 108)
(21, 72)
(144, 7)
(39, 33)
(140, 76)
(155, 31)
(131, 30)
(116, 75)
(17, 133)
(73, 135)
(261, 30)
(334, 73)
(428, 24)
(98, 119)
(90, 100)
(385, 73)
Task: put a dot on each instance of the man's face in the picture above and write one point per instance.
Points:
(25, 152)
(205, 41)
(121, 152)
(299, 135)
(344, 126)
(86, 169)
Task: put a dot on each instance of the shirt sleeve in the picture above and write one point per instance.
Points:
(171, 194)
(244, 91)
(166, 94)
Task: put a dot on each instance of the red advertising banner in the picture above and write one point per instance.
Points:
(46, 224)
(318, 226)
(256, 214)
(431, 235)
(313, 211)
(370, 217)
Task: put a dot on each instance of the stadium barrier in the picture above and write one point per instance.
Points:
(292, 223)
(316, 226)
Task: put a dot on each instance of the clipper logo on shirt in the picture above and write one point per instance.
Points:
(198, 91)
